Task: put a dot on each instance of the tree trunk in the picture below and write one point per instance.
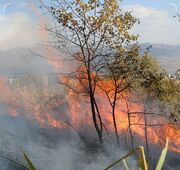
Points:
(99, 131)
(146, 134)
(130, 132)
(115, 125)
(93, 105)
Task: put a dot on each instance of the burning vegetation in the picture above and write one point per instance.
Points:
(111, 93)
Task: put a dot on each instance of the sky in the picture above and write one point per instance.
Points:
(157, 24)
(20, 27)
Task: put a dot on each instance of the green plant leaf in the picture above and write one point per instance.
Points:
(14, 162)
(162, 156)
(30, 164)
(118, 161)
(125, 164)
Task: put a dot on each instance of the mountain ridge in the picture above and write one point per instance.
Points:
(21, 60)
(167, 55)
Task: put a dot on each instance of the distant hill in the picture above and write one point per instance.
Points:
(167, 55)
(22, 61)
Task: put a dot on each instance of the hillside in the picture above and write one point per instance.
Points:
(22, 61)
(167, 55)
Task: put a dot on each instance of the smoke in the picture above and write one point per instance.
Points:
(18, 30)
(48, 148)
(54, 148)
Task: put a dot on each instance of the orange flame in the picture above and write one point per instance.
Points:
(80, 113)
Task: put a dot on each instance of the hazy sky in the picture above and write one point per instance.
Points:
(157, 22)
(20, 27)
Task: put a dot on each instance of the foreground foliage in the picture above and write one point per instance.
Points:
(142, 159)
(29, 166)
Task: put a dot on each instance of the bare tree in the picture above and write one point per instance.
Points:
(95, 30)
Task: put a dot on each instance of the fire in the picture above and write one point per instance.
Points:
(156, 134)
(80, 114)
(55, 123)
(26, 101)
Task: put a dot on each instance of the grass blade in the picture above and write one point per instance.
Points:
(118, 161)
(14, 162)
(30, 164)
(125, 164)
(142, 159)
(162, 156)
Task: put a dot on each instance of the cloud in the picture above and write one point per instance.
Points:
(174, 6)
(18, 30)
(156, 26)
(21, 30)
